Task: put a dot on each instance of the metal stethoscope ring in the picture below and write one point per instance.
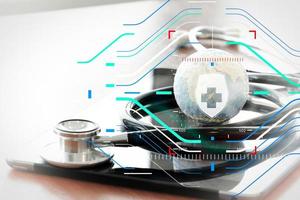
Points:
(75, 146)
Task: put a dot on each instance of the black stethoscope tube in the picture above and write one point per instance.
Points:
(230, 131)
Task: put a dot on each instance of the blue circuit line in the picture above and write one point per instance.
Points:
(129, 92)
(109, 156)
(184, 10)
(278, 139)
(290, 120)
(290, 154)
(135, 24)
(266, 122)
(277, 130)
(110, 130)
(265, 33)
(135, 82)
(265, 28)
(153, 144)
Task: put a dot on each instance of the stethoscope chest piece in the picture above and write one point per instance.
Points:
(75, 147)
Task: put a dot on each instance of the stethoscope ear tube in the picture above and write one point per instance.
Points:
(272, 79)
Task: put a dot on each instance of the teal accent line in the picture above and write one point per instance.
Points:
(164, 93)
(261, 92)
(110, 85)
(293, 92)
(110, 64)
(105, 48)
(265, 61)
(160, 34)
(158, 120)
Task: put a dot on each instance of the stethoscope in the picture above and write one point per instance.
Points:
(79, 140)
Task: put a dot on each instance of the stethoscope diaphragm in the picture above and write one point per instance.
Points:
(75, 146)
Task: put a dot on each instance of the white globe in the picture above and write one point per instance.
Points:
(211, 86)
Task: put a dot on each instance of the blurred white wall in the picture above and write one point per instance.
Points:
(9, 7)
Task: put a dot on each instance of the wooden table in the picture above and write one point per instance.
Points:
(16, 184)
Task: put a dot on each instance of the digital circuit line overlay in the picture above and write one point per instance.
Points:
(229, 43)
(141, 137)
(265, 61)
(265, 172)
(158, 36)
(149, 16)
(166, 57)
(198, 141)
(264, 29)
(148, 72)
(276, 131)
(166, 154)
(267, 121)
(199, 151)
(283, 135)
(105, 48)
(186, 185)
(258, 176)
(157, 129)
(253, 182)
(156, 56)
(177, 17)
(272, 127)
(188, 172)
(109, 156)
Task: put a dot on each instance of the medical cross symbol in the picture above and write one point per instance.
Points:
(211, 97)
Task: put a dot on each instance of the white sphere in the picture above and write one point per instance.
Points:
(211, 86)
